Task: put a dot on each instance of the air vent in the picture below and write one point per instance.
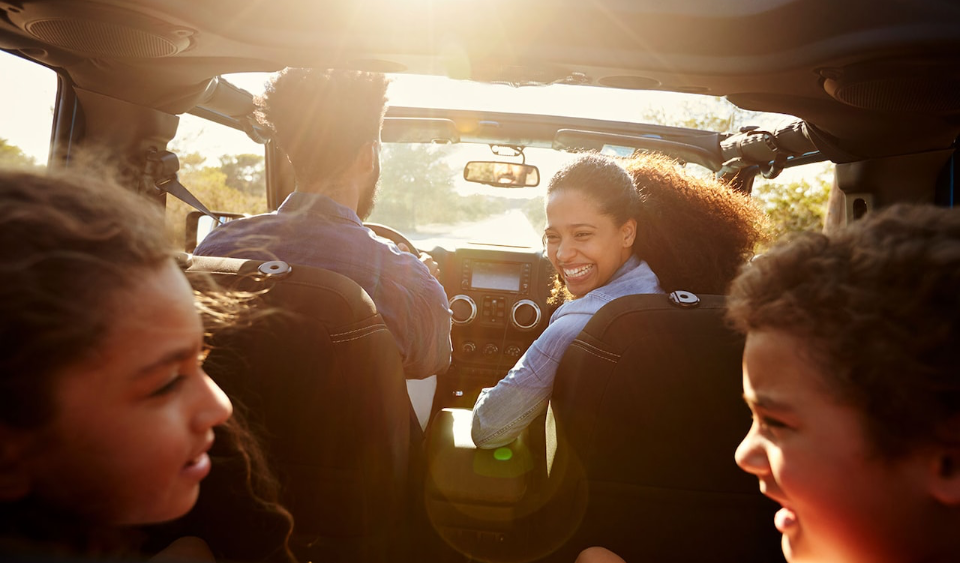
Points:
(91, 30)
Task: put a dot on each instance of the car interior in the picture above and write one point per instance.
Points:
(636, 450)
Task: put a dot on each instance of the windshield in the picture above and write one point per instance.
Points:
(423, 194)
(422, 191)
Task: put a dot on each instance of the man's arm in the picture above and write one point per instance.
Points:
(414, 307)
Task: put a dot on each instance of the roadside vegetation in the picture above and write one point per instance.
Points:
(11, 156)
(418, 187)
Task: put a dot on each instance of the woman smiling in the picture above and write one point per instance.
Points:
(613, 231)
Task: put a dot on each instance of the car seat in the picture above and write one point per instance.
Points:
(646, 414)
(321, 377)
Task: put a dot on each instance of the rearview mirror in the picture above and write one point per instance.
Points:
(502, 174)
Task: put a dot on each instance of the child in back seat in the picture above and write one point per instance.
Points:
(850, 370)
(106, 416)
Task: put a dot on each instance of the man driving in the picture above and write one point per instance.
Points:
(328, 124)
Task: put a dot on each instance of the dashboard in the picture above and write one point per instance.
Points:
(498, 297)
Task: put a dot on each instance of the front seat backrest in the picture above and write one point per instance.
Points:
(648, 412)
(322, 377)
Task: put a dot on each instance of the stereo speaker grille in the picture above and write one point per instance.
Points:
(105, 38)
(926, 96)
(905, 86)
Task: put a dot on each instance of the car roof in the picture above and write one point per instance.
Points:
(879, 76)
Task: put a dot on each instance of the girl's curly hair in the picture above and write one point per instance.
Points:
(69, 244)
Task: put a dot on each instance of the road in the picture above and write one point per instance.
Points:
(510, 228)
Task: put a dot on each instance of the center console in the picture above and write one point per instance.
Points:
(498, 298)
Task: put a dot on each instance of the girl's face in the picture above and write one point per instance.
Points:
(842, 501)
(134, 421)
(583, 244)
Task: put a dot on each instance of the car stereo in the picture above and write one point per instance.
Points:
(481, 275)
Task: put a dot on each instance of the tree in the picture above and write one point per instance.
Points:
(417, 188)
(245, 172)
(536, 213)
(11, 156)
(210, 185)
(705, 113)
(791, 206)
(795, 206)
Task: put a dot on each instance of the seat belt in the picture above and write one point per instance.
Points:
(160, 173)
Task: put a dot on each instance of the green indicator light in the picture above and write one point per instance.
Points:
(502, 454)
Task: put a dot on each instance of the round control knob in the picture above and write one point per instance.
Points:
(468, 347)
(525, 314)
(464, 309)
(490, 350)
(512, 351)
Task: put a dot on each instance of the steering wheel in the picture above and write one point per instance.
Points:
(392, 234)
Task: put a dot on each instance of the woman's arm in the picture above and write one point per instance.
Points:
(502, 412)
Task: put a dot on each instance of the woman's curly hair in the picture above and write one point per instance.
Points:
(69, 245)
(695, 233)
(878, 307)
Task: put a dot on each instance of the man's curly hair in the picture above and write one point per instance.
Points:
(695, 233)
(321, 118)
(878, 306)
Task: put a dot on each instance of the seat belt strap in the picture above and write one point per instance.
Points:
(161, 173)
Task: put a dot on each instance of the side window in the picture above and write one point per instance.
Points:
(27, 100)
(796, 200)
(221, 166)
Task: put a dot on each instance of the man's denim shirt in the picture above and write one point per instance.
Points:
(313, 230)
(502, 412)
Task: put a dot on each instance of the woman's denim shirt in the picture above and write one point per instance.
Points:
(502, 412)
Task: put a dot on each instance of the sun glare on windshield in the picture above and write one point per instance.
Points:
(423, 191)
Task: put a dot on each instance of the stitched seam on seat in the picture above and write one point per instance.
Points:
(582, 346)
(343, 336)
(359, 337)
(354, 330)
(599, 350)
(584, 343)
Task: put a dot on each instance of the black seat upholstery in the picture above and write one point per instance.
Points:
(322, 377)
(647, 413)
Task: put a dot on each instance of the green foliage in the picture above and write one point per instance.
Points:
(536, 213)
(708, 114)
(229, 187)
(11, 156)
(795, 206)
(417, 188)
(791, 206)
(245, 172)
